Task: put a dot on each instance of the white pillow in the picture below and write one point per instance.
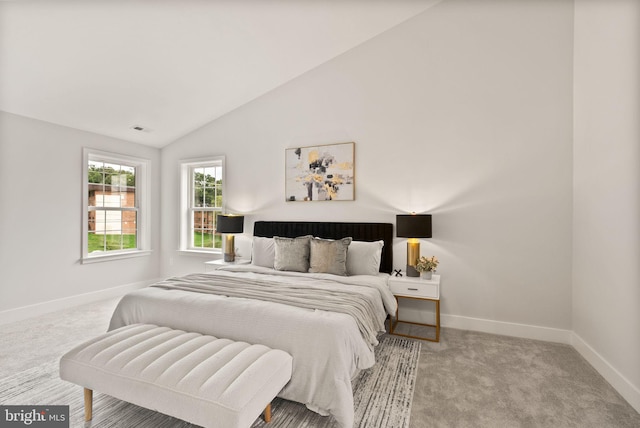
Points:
(363, 258)
(263, 252)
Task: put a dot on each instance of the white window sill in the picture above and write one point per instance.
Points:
(201, 253)
(116, 256)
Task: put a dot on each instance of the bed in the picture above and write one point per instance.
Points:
(328, 322)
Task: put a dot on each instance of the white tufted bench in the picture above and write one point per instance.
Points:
(201, 379)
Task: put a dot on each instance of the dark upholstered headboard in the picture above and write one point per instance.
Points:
(358, 231)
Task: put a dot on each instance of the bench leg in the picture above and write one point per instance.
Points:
(267, 413)
(88, 404)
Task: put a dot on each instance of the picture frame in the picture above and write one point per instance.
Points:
(320, 173)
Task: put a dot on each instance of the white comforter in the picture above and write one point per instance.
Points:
(327, 347)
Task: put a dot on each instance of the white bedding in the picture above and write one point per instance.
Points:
(327, 347)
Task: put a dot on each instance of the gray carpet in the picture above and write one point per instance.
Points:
(469, 379)
(382, 396)
(479, 380)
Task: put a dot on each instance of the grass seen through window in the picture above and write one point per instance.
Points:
(96, 242)
(206, 240)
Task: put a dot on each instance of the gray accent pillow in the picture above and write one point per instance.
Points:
(292, 253)
(329, 256)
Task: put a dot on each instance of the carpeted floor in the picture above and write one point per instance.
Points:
(382, 396)
(473, 379)
(467, 380)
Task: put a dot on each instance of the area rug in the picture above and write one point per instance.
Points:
(382, 396)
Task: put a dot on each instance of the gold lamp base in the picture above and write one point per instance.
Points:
(229, 248)
(413, 254)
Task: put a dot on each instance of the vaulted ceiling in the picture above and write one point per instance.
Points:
(170, 66)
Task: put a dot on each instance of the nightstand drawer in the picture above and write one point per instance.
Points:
(415, 288)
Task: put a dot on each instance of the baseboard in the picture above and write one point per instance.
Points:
(629, 391)
(30, 311)
(507, 328)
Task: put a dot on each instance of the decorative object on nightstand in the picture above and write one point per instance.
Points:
(416, 289)
(427, 266)
(229, 224)
(413, 226)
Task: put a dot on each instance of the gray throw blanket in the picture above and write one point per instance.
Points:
(341, 300)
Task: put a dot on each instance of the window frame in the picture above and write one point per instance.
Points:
(186, 198)
(142, 204)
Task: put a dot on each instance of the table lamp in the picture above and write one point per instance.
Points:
(230, 224)
(413, 226)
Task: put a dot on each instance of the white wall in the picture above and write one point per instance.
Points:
(606, 270)
(40, 215)
(465, 112)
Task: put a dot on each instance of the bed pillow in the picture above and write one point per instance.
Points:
(329, 256)
(363, 258)
(292, 253)
(263, 252)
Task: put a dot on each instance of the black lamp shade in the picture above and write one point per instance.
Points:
(230, 224)
(413, 225)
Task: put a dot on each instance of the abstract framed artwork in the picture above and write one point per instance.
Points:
(320, 173)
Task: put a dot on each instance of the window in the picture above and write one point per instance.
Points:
(115, 206)
(202, 201)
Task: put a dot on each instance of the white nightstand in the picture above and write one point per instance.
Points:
(417, 289)
(218, 263)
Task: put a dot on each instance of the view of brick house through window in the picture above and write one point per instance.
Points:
(113, 210)
(205, 205)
